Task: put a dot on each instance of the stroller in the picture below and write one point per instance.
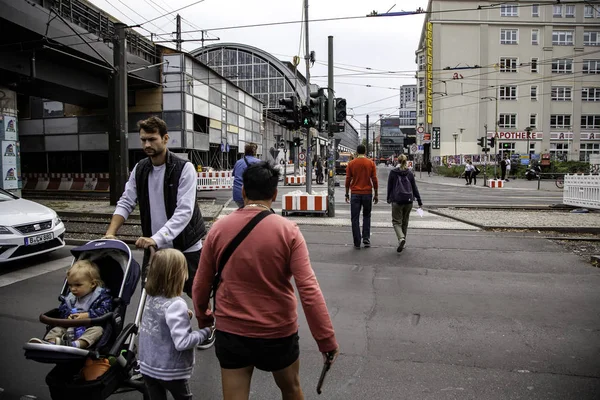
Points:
(120, 273)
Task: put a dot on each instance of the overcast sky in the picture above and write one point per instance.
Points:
(382, 43)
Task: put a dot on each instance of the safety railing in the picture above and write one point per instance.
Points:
(582, 191)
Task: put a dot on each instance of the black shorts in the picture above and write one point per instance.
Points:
(234, 351)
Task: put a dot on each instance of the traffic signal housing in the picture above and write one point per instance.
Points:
(340, 110)
(492, 142)
(290, 111)
(297, 142)
(481, 141)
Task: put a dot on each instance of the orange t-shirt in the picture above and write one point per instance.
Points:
(361, 176)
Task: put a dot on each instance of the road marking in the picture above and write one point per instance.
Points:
(36, 270)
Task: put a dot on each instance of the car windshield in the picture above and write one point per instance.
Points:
(344, 158)
(6, 196)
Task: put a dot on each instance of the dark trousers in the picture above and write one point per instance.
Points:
(468, 176)
(192, 258)
(358, 201)
(157, 389)
(503, 172)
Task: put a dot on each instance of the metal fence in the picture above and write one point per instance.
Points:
(582, 191)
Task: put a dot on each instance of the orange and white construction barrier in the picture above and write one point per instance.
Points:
(215, 180)
(66, 182)
(302, 202)
(295, 180)
(495, 183)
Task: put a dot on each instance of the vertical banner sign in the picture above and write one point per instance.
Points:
(435, 137)
(429, 70)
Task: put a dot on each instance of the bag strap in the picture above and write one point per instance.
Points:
(246, 161)
(237, 240)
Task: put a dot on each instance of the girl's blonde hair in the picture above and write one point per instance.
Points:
(88, 270)
(167, 273)
(402, 161)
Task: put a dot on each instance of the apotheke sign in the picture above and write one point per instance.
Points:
(516, 135)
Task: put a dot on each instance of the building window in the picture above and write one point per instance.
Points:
(591, 38)
(421, 62)
(590, 122)
(585, 149)
(559, 151)
(533, 120)
(557, 11)
(564, 66)
(562, 38)
(509, 36)
(570, 11)
(534, 65)
(508, 11)
(508, 64)
(561, 93)
(560, 121)
(507, 121)
(507, 92)
(590, 94)
(421, 85)
(588, 12)
(535, 10)
(535, 33)
(533, 93)
(591, 66)
(420, 109)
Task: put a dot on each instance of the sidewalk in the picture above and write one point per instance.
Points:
(546, 185)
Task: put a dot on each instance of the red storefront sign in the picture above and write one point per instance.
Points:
(517, 135)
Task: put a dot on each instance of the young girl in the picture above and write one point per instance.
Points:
(166, 338)
(90, 299)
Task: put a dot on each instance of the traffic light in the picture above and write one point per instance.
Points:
(506, 145)
(492, 141)
(298, 142)
(290, 112)
(481, 141)
(340, 110)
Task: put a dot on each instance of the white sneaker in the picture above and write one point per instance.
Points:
(210, 340)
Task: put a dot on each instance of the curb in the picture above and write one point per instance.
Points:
(563, 229)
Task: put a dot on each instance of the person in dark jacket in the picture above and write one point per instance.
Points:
(429, 167)
(401, 192)
(164, 186)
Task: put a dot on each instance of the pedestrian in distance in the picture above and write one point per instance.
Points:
(164, 187)
(401, 192)
(429, 167)
(469, 170)
(166, 340)
(508, 168)
(361, 181)
(255, 306)
(320, 171)
(503, 164)
(238, 171)
(87, 298)
(476, 171)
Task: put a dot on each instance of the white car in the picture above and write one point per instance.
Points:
(27, 228)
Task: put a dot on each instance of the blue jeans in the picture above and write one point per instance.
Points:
(358, 201)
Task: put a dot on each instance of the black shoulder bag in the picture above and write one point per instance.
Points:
(237, 240)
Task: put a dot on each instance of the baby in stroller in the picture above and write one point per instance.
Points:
(87, 298)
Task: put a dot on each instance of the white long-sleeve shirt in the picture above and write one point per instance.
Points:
(164, 230)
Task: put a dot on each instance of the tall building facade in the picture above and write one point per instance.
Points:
(408, 94)
(526, 73)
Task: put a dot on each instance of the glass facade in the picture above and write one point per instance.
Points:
(252, 72)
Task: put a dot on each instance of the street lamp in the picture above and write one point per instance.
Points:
(455, 136)
(528, 130)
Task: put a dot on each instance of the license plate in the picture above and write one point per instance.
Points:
(33, 240)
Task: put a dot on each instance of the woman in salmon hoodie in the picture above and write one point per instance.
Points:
(256, 317)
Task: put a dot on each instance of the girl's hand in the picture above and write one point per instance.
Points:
(83, 315)
(190, 313)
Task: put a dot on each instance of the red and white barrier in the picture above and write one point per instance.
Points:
(66, 182)
(303, 202)
(215, 180)
(295, 180)
(495, 183)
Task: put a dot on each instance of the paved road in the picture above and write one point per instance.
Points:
(458, 315)
(442, 192)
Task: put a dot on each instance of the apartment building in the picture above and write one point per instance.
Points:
(527, 73)
(408, 94)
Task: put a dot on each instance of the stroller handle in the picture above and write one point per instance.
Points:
(72, 323)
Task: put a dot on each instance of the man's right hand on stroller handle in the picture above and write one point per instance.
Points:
(145, 243)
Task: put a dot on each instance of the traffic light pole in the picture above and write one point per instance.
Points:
(308, 135)
(330, 118)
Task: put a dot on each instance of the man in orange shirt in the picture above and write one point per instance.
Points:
(361, 180)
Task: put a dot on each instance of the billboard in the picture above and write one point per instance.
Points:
(429, 72)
